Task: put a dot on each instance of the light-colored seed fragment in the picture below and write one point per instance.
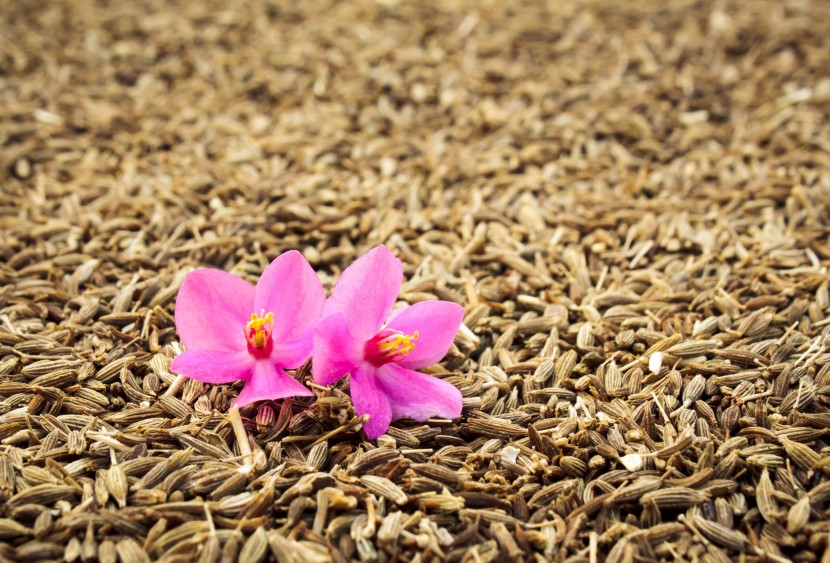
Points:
(107, 552)
(655, 362)
(798, 515)
(632, 462)
(129, 551)
(211, 550)
(72, 552)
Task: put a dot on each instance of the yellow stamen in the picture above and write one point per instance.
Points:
(258, 330)
(399, 343)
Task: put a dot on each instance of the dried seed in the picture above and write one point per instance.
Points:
(116, 482)
(10, 529)
(802, 455)
(721, 535)
(799, 515)
(438, 472)
(766, 502)
(42, 494)
(255, 547)
(385, 488)
(129, 551)
(674, 497)
(371, 459)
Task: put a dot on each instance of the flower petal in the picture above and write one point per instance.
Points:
(291, 290)
(369, 398)
(366, 291)
(213, 366)
(211, 310)
(336, 352)
(293, 354)
(437, 324)
(417, 395)
(269, 383)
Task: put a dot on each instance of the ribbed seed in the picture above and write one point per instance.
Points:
(675, 497)
(130, 552)
(117, 485)
(385, 488)
(799, 515)
(763, 494)
(255, 547)
(803, 456)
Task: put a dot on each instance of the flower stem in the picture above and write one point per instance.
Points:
(362, 419)
(241, 436)
(177, 384)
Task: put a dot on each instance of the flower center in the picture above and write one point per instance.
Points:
(389, 345)
(258, 332)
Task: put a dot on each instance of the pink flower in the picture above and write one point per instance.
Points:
(352, 338)
(232, 330)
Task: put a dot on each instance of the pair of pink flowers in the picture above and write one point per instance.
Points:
(233, 330)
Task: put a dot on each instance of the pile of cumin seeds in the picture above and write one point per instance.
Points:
(631, 201)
